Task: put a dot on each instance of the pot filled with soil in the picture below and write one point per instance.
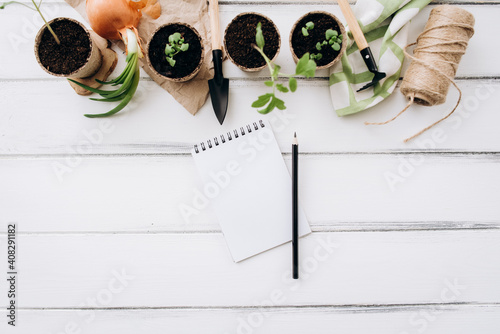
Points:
(76, 56)
(175, 52)
(322, 35)
(239, 41)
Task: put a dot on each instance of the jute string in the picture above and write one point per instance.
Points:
(435, 59)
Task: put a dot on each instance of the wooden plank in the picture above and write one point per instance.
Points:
(21, 26)
(159, 194)
(454, 319)
(155, 123)
(195, 270)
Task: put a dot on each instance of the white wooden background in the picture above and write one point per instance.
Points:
(419, 256)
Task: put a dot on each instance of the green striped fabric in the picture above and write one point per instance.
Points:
(385, 24)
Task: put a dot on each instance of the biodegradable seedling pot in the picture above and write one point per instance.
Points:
(300, 44)
(239, 39)
(187, 63)
(77, 56)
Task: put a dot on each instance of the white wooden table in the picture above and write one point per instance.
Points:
(103, 247)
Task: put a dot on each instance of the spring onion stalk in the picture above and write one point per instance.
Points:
(128, 79)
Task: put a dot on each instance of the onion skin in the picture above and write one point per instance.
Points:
(110, 18)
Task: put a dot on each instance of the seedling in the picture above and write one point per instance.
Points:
(332, 38)
(269, 101)
(175, 45)
(309, 26)
(37, 9)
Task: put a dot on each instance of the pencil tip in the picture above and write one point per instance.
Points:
(295, 134)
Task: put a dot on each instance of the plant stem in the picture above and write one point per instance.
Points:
(37, 8)
(44, 20)
(11, 2)
(269, 65)
(268, 61)
(131, 42)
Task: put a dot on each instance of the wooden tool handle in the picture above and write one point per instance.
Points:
(213, 7)
(358, 35)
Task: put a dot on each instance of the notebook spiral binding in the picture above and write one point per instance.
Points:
(228, 136)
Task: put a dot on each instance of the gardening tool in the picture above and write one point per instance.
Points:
(219, 86)
(363, 47)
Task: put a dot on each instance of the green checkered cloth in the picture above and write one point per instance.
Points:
(384, 23)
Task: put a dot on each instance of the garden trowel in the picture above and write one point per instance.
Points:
(363, 47)
(219, 86)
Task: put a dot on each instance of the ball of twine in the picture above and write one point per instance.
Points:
(439, 49)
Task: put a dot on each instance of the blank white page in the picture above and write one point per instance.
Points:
(249, 187)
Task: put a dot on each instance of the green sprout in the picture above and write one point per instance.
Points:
(332, 38)
(305, 30)
(37, 9)
(175, 45)
(269, 101)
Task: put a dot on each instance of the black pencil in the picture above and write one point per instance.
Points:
(295, 206)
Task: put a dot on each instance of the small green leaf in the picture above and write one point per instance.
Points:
(341, 37)
(168, 50)
(171, 61)
(184, 47)
(330, 33)
(324, 43)
(336, 46)
(276, 71)
(262, 100)
(305, 32)
(310, 25)
(331, 42)
(280, 104)
(269, 108)
(268, 83)
(306, 66)
(174, 38)
(309, 68)
(259, 36)
(282, 88)
(316, 56)
(292, 82)
(301, 64)
(318, 46)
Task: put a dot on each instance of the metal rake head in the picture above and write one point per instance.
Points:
(376, 78)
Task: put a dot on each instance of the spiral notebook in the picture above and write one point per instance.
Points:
(249, 188)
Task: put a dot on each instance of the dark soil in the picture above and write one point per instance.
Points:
(71, 54)
(240, 36)
(186, 62)
(302, 44)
